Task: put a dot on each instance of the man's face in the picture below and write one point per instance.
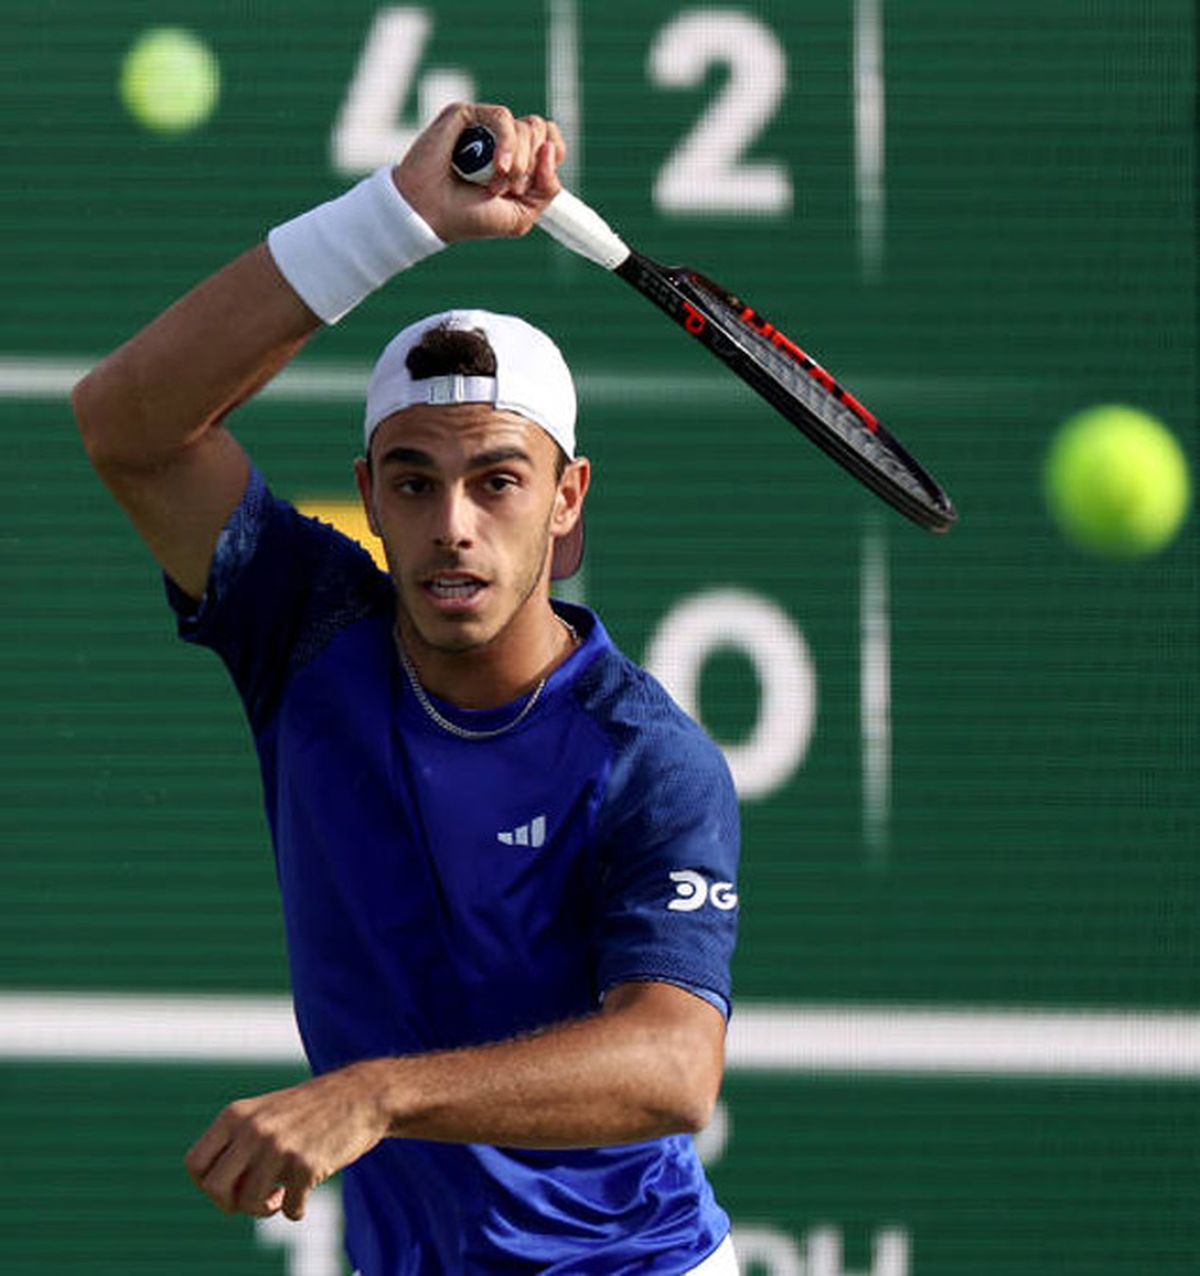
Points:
(467, 503)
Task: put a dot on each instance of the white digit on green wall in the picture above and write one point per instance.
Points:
(738, 620)
(708, 172)
(369, 130)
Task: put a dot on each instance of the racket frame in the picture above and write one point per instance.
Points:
(894, 474)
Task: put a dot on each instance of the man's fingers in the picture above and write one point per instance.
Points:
(545, 184)
(531, 134)
(202, 1155)
(295, 1199)
(220, 1181)
(522, 158)
(262, 1180)
(517, 149)
(554, 133)
(253, 1177)
(229, 1163)
(504, 129)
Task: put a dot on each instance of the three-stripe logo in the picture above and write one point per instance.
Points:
(532, 834)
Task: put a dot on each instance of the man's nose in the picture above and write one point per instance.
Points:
(455, 526)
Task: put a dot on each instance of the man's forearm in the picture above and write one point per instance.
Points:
(610, 1078)
(649, 1065)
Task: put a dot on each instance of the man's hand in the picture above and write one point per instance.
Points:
(268, 1153)
(528, 152)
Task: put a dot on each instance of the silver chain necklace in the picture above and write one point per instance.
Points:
(466, 733)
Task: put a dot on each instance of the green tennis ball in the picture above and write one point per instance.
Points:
(1116, 481)
(170, 80)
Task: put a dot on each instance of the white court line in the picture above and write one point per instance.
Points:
(37, 377)
(34, 377)
(563, 100)
(875, 692)
(765, 1038)
(869, 135)
(116, 1027)
(31, 376)
(961, 1041)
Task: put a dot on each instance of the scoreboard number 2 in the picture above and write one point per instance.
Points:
(707, 174)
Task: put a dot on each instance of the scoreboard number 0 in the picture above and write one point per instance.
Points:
(707, 174)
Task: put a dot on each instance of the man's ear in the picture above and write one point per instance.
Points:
(568, 500)
(362, 475)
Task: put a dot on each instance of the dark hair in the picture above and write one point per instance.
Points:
(443, 351)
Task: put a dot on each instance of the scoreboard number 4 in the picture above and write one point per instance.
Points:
(369, 130)
(707, 174)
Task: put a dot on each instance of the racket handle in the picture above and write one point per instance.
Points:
(581, 229)
(566, 218)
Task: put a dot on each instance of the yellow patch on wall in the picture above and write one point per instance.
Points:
(349, 519)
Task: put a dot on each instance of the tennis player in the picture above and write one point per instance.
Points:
(507, 860)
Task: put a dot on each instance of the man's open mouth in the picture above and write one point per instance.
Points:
(454, 588)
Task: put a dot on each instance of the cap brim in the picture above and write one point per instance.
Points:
(568, 553)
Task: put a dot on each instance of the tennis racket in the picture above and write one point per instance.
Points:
(746, 343)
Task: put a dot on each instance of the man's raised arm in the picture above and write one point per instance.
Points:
(151, 413)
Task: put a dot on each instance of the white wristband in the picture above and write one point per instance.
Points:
(338, 253)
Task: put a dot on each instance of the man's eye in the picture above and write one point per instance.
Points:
(411, 486)
(499, 482)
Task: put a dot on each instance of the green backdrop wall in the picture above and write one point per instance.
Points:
(967, 1038)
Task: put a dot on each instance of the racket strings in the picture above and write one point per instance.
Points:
(792, 380)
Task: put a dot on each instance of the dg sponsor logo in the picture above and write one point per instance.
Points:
(693, 891)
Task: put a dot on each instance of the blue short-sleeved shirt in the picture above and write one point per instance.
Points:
(441, 892)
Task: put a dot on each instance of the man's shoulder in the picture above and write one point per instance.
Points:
(343, 584)
(290, 523)
(666, 783)
(618, 691)
(651, 737)
(281, 587)
(268, 545)
(336, 564)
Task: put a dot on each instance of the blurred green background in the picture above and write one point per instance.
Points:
(968, 763)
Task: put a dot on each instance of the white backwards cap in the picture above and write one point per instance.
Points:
(532, 379)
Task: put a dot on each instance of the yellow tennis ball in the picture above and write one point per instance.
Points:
(170, 80)
(1116, 481)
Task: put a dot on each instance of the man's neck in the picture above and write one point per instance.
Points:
(533, 644)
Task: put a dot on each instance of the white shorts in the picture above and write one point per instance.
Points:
(721, 1262)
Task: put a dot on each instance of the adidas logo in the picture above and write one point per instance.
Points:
(531, 834)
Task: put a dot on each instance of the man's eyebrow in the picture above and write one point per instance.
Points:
(400, 455)
(497, 456)
(406, 456)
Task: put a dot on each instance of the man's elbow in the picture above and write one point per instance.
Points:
(108, 415)
(91, 418)
(698, 1102)
(678, 1059)
(695, 1064)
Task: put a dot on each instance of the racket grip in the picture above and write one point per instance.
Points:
(581, 229)
(566, 218)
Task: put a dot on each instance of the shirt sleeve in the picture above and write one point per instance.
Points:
(669, 843)
(279, 582)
